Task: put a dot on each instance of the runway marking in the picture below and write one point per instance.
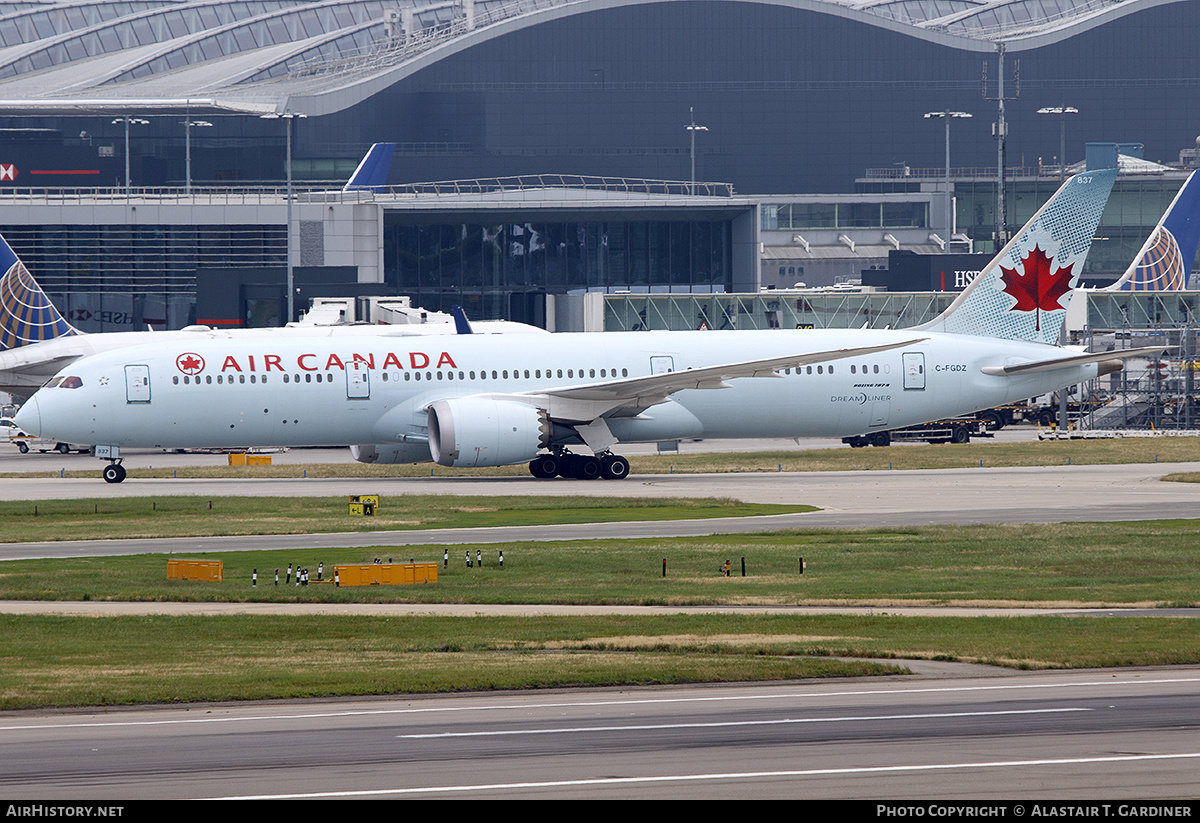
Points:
(616, 781)
(736, 723)
(656, 701)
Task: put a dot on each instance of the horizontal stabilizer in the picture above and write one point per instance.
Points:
(1076, 360)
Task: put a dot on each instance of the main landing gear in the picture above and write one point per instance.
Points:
(604, 466)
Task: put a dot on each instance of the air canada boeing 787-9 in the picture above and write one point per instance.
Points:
(474, 400)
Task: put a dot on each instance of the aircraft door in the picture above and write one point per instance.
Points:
(137, 384)
(358, 380)
(662, 364)
(914, 370)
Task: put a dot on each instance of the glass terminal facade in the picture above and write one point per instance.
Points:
(497, 268)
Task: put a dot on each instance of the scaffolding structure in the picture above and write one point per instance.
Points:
(1149, 393)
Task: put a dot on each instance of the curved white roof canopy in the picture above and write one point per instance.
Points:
(321, 56)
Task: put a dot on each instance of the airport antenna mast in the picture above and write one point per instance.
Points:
(1000, 132)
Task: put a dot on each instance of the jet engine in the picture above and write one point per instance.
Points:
(481, 431)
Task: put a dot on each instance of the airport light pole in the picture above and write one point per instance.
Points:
(127, 121)
(1062, 112)
(692, 129)
(187, 151)
(947, 116)
(288, 117)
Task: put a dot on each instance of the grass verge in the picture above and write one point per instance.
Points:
(168, 516)
(58, 661)
(1142, 563)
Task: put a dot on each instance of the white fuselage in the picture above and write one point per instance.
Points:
(322, 390)
(23, 370)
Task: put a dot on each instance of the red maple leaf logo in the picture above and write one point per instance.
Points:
(189, 363)
(1036, 289)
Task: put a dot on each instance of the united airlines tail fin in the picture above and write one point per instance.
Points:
(372, 172)
(1164, 262)
(1021, 294)
(26, 314)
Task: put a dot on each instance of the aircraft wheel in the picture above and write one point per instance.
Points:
(114, 473)
(586, 468)
(614, 467)
(23, 448)
(566, 465)
(544, 466)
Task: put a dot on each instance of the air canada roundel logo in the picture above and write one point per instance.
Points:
(189, 363)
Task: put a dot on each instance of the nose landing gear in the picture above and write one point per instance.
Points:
(114, 472)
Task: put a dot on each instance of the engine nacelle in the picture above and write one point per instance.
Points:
(389, 453)
(480, 431)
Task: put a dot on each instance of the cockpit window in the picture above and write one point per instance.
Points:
(71, 383)
(52, 382)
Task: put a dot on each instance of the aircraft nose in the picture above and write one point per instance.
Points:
(29, 417)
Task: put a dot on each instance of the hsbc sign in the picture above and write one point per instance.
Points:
(8, 171)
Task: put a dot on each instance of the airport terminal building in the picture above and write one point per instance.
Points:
(144, 144)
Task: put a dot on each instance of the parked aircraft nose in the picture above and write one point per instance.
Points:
(29, 417)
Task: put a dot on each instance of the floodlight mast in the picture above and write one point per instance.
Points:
(948, 116)
(692, 129)
(288, 117)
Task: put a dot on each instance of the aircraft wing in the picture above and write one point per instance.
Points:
(581, 404)
(1074, 360)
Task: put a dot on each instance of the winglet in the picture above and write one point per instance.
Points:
(1020, 294)
(372, 172)
(461, 324)
(26, 313)
(1164, 262)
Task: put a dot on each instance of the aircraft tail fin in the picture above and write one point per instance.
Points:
(26, 313)
(372, 172)
(1164, 262)
(461, 324)
(1020, 295)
